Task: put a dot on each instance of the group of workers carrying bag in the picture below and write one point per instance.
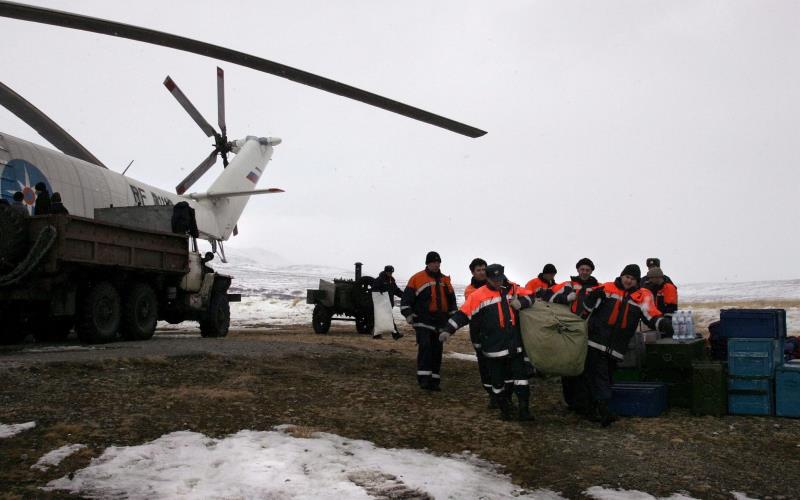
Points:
(491, 309)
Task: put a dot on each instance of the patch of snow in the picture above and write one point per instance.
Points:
(274, 464)
(8, 430)
(462, 356)
(63, 348)
(741, 496)
(55, 457)
(600, 493)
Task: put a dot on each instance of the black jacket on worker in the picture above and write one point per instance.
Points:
(42, 204)
(496, 320)
(386, 284)
(615, 314)
(430, 297)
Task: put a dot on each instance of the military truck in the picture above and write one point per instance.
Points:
(108, 277)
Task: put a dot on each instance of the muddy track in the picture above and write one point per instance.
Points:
(360, 388)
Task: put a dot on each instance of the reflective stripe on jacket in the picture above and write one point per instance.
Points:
(615, 314)
(431, 297)
(496, 320)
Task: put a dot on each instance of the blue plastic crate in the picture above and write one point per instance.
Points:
(638, 399)
(750, 396)
(753, 323)
(754, 357)
(787, 390)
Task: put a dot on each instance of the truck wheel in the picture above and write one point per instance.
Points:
(139, 313)
(321, 319)
(217, 319)
(11, 329)
(99, 315)
(364, 323)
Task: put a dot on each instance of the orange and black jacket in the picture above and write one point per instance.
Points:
(615, 313)
(429, 296)
(558, 293)
(539, 284)
(474, 329)
(666, 297)
(496, 320)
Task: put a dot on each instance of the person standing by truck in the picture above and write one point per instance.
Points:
(428, 301)
(42, 204)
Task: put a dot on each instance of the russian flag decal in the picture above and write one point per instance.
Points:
(252, 177)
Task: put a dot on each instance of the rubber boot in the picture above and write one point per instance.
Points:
(493, 403)
(397, 335)
(524, 414)
(606, 417)
(505, 409)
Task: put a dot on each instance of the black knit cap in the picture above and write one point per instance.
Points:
(388, 269)
(432, 257)
(653, 262)
(585, 262)
(495, 271)
(632, 270)
(40, 186)
(549, 269)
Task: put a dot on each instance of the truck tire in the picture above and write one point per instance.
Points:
(217, 319)
(321, 319)
(139, 313)
(99, 314)
(13, 240)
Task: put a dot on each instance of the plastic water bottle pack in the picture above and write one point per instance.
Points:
(683, 325)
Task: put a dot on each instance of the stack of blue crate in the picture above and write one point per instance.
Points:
(751, 375)
(755, 340)
(787, 390)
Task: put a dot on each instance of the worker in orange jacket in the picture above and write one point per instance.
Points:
(665, 292)
(545, 280)
(428, 302)
(573, 293)
(478, 269)
(494, 308)
(616, 309)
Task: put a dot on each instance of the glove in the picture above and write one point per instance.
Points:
(411, 318)
(666, 326)
(515, 303)
(443, 337)
(571, 297)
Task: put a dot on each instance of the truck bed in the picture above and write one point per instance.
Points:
(87, 241)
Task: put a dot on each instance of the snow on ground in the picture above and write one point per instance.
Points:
(8, 430)
(459, 355)
(740, 292)
(276, 464)
(600, 493)
(53, 458)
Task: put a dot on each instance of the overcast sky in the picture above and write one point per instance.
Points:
(618, 130)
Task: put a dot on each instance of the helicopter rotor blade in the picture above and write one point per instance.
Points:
(197, 173)
(221, 102)
(86, 23)
(189, 107)
(46, 127)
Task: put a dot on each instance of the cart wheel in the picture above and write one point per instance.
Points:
(365, 323)
(321, 319)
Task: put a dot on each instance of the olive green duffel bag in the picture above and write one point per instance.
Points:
(554, 338)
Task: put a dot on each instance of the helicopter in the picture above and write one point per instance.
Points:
(86, 184)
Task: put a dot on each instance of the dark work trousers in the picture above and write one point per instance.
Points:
(597, 373)
(576, 392)
(510, 371)
(483, 364)
(429, 357)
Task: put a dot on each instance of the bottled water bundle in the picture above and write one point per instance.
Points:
(683, 325)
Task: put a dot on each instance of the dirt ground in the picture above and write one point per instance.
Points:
(361, 388)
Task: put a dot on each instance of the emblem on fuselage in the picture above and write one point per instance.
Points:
(20, 175)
